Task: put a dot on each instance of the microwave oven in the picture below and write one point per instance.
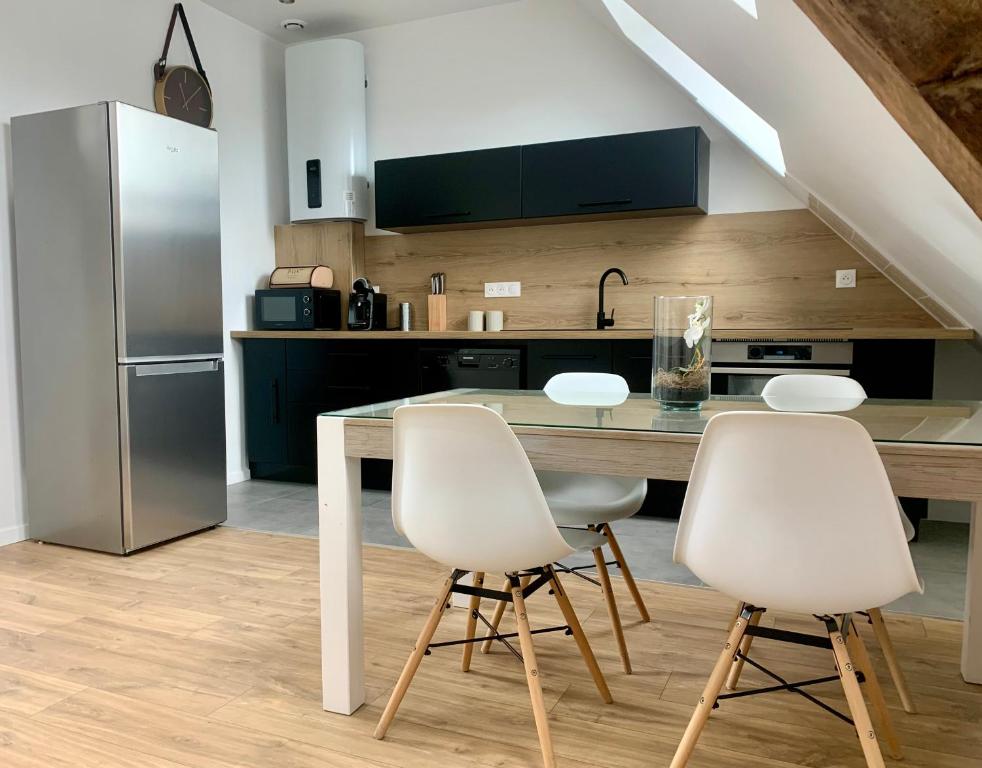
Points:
(298, 309)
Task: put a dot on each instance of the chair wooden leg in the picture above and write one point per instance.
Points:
(857, 650)
(615, 617)
(890, 655)
(581, 641)
(854, 696)
(532, 675)
(737, 669)
(632, 587)
(499, 612)
(412, 664)
(473, 608)
(710, 693)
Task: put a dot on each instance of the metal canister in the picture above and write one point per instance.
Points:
(405, 316)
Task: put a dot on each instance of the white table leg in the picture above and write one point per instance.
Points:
(342, 620)
(972, 633)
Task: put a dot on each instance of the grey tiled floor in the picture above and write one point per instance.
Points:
(291, 508)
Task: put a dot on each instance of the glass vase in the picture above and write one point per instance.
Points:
(680, 370)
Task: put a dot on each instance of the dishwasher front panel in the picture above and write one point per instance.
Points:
(449, 368)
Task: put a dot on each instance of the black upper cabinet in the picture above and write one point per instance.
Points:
(438, 190)
(656, 171)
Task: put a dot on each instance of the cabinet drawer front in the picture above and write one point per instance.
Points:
(434, 190)
(631, 172)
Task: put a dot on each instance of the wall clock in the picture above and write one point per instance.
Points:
(182, 92)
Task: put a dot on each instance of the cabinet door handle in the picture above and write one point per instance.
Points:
(275, 401)
(447, 215)
(598, 203)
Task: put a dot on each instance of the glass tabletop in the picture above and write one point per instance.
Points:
(945, 422)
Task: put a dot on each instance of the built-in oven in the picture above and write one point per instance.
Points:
(744, 367)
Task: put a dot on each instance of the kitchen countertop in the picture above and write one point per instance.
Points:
(841, 334)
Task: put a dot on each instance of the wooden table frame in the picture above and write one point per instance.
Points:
(917, 470)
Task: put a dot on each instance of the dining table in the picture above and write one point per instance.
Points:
(931, 449)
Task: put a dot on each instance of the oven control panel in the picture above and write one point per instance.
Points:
(779, 352)
(774, 353)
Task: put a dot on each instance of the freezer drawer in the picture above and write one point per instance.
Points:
(172, 419)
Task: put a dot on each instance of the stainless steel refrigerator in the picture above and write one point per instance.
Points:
(116, 221)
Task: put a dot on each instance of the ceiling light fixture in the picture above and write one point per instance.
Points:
(287, 2)
(293, 25)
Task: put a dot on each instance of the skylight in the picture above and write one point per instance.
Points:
(750, 128)
(750, 6)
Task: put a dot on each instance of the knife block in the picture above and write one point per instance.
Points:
(436, 312)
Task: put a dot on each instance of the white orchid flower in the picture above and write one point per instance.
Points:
(692, 335)
(698, 323)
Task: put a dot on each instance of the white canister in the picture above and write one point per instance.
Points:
(494, 320)
(475, 320)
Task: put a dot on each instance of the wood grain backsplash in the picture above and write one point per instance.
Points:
(769, 270)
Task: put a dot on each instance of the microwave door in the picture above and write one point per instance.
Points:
(280, 311)
(167, 246)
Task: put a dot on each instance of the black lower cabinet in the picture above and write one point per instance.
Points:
(547, 358)
(632, 360)
(897, 368)
(264, 370)
(288, 383)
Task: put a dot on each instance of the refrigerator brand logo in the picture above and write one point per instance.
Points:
(172, 149)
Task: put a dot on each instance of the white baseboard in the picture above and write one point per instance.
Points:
(239, 476)
(12, 534)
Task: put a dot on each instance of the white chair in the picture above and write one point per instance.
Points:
(818, 393)
(813, 393)
(593, 501)
(795, 512)
(465, 495)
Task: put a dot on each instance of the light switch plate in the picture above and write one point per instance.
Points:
(845, 278)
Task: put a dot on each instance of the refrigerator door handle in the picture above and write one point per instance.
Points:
(143, 359)
(164, 369)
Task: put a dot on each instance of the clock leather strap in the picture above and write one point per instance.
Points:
(161, 66)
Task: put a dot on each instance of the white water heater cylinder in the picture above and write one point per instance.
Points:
(325, 118)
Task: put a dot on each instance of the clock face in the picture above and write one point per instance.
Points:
(185, 95)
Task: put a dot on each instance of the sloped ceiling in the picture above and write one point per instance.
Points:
(840, 144)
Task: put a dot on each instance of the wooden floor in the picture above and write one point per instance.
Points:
(205, 653)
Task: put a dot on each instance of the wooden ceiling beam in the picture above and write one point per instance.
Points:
(901, 98)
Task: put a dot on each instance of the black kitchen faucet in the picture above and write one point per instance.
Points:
(602, 320)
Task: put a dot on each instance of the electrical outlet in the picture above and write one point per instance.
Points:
(845, 278)
(502, 290)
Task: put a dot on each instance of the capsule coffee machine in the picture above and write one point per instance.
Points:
(366, 308)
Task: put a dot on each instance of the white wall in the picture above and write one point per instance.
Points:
(59, 53)
(531, 71)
